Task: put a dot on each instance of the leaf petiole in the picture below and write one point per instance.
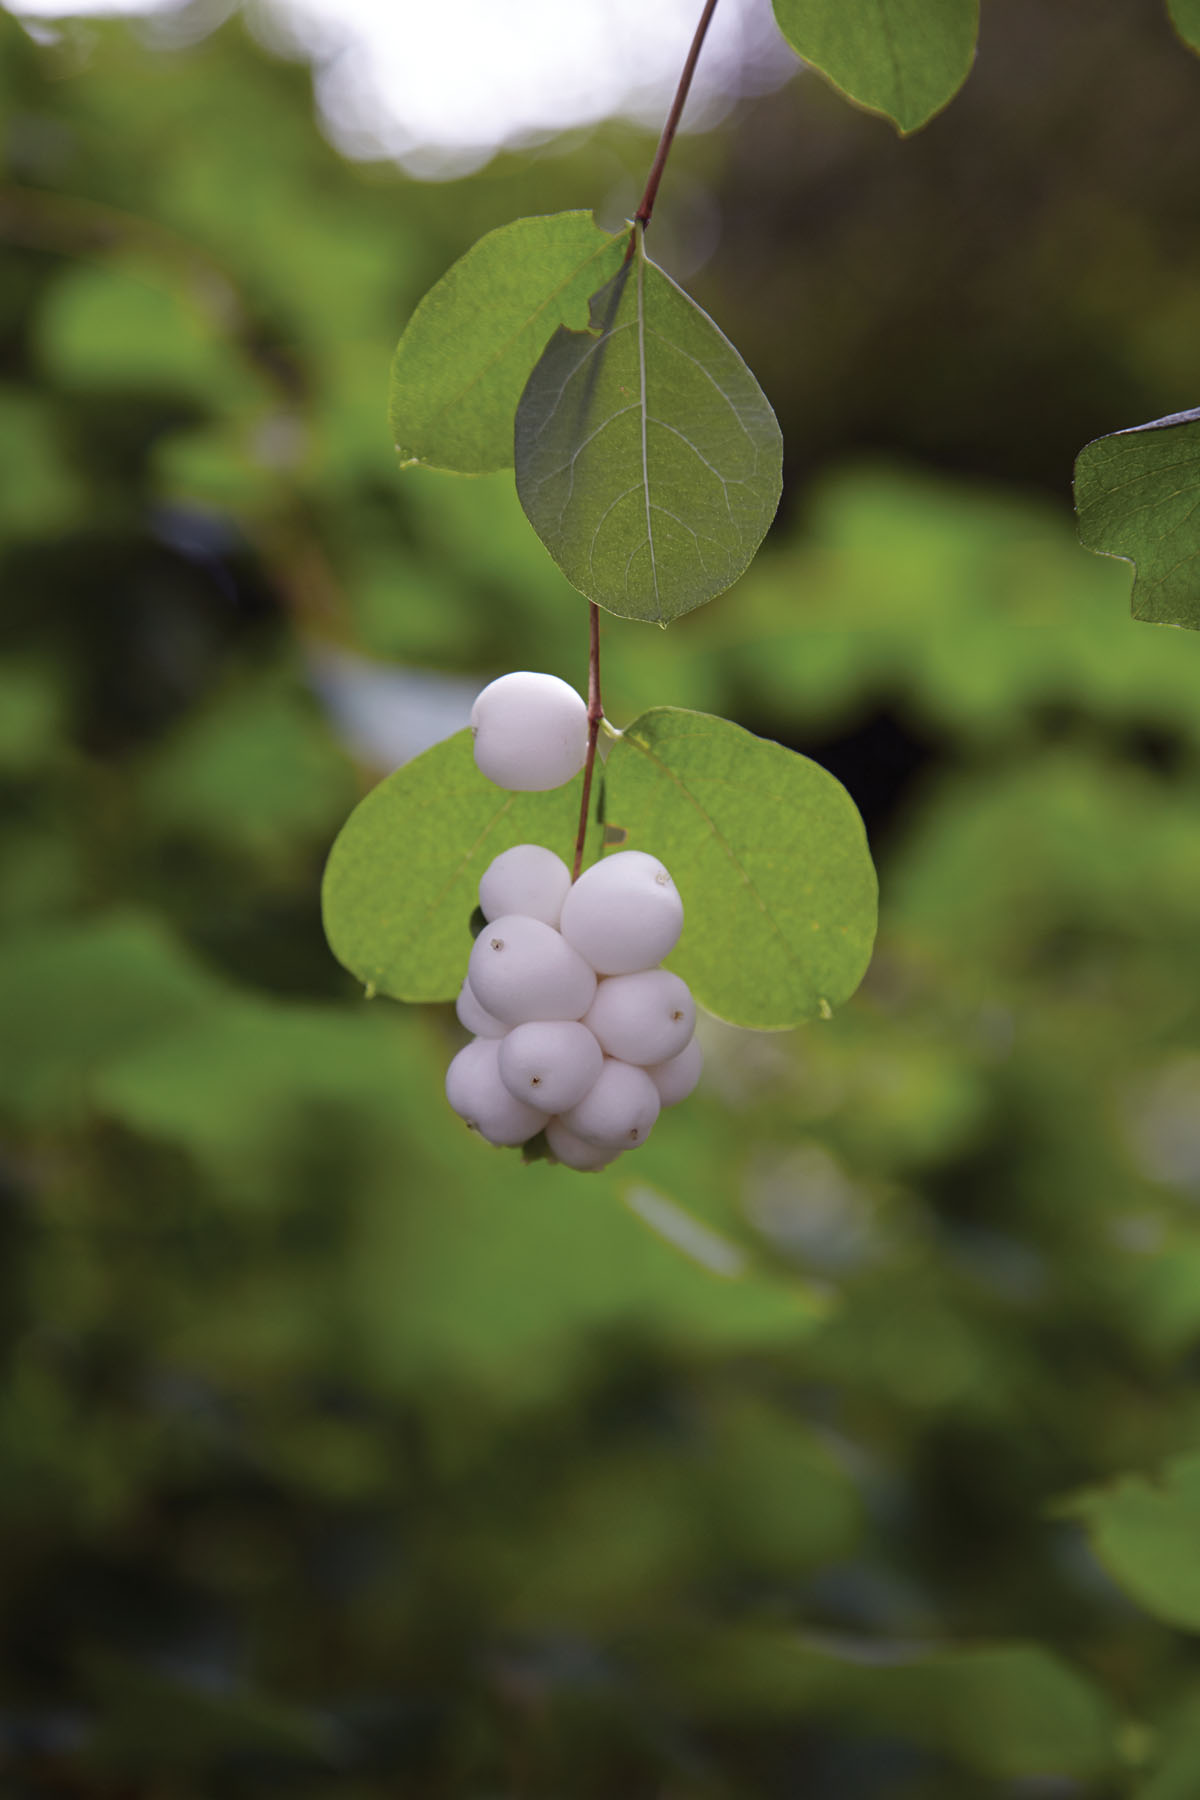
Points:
(595, 715)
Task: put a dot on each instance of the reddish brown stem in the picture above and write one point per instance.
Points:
(640, 218)
(642, 215)
(595, 714)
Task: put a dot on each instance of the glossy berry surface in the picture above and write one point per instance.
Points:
(522, 969)
(527, 879)
(575, 1152)
(530, 731)
(618, 1111)
(676, 1078)
(643, 1018)
(550, 1063)
(624, 914)
(477, 1094)
(475, 1018)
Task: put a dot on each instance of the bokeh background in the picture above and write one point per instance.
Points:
(341, 1455)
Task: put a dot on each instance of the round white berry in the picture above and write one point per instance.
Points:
(676, 1078)
(523, 969)
(527, 879)
(530, 731)
(618, 1110)
(551, 1063)
(475, 1018)
(574, 1151)
(477, 1094)
(623, 914)
(642, 1018)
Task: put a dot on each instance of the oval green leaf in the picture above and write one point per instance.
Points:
(769, 853)
(903, 58)
(467, 351)
(648, 459)
(1185, 17)
(1011, 1711)
(1137, 496)
(1148, 1538)
(403, 875)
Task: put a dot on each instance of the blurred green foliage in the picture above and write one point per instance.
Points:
(844, 1444)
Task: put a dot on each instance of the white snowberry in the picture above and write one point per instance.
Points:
(475, 1018)
(676, 1078)
(643, 1018)
(477, 1094)
(530, 731)
(574, 1151)
(550, 1063)
(623, 914)
(527, 879)
(521, 969)
(618, 1110)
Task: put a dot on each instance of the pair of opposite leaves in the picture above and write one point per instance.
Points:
(649, 462)
(647, 457)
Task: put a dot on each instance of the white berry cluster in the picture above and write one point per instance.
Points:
(577, 1030)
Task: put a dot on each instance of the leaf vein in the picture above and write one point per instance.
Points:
(730, 402)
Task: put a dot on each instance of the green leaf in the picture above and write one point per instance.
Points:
(466, 352)
(769, 853)
(403, 875)
(1011, 1711)
(256, 770)
(648, 459)
(133, 323)
(31, 717)
(1176, 1770)
(241, 1088)
(1185, 17)
(903, 58)
(1137, 494)
(1148, 1538)
(76, 996)
(155, 1721)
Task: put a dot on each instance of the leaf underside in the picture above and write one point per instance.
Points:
(403, 875)
(648, 459)
(769, 853)
(467, 351)
(904, 58)
(1137, 494)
